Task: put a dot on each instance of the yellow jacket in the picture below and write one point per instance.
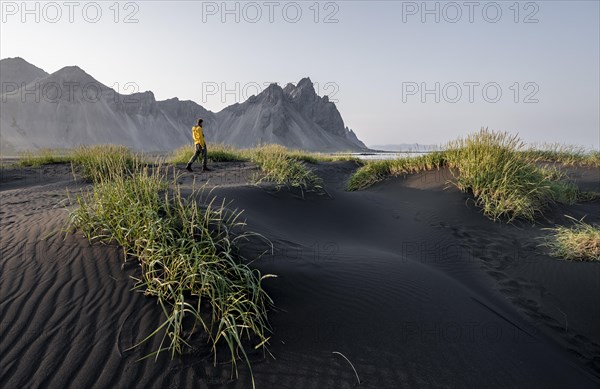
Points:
(198, 136)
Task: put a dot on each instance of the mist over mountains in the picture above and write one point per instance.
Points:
(69, 108)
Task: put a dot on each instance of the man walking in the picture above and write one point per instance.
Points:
(200, 144)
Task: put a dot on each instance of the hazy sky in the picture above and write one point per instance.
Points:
(531, 68)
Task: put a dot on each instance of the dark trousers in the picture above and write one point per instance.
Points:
(199, 150)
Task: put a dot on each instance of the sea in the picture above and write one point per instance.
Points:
(382, 155)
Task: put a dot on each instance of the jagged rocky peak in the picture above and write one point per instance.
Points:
(352, 136)
(289, 88)
(303, 92)
(318, 109)
(273, 93)
(305, 84)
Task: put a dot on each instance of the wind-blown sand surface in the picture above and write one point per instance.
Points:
(407, 280)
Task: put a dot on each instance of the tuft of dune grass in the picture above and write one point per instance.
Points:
(580, 242)
(99, 162)
(91, 162)
(504, 184)
(189, 254)
(506, 180)
(285, 169)
(374, 171)
(216, 153)
(278, 164)
(567, 155)
(44, 157)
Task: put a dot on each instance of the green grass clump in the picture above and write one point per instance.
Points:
(225, 153)
(279, 165)
(507, 181)
(295, 154)
(581, 242)
(284, 169)
(298, 155)
(188, 255)
(100, 162)
(375, 171)
(342, 158)
(564, 154)
(505, 185)
(216, 153)
(44, 157)
(593, 159)
(181, 155)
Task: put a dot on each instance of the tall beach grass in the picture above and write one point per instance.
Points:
(188, 253)
(374, 171)
(504, 184)
(285, 169)
(580, 242)
(100, 162)
(44, 157)
(567, 155)
(507, 180)
(216, 153)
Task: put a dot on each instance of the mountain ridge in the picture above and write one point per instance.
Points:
(70, 107)
(17, 70)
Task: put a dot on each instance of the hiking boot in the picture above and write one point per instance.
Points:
(189, 168)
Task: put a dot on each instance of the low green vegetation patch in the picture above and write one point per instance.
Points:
(92, 162)
(505, 185)
(580, 242)
(375, 171)
(507, 181)
(278, 165)
(189, 254)
(563, 154)
(227, 153)
(216, 153)
(100, 162)
(44, 157)
(297, 155)
(284, 169)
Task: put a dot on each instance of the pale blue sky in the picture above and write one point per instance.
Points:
(365, 59)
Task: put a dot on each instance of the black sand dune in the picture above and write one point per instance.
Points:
(407, 280)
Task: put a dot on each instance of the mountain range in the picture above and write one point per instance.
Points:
(69, 107)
